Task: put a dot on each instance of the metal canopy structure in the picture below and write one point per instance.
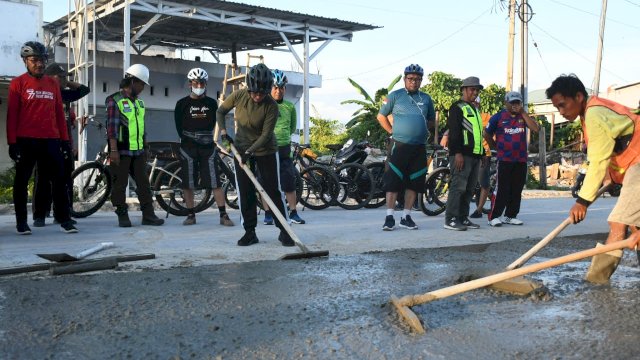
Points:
(215, 26)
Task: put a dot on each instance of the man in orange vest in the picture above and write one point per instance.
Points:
(612, 135)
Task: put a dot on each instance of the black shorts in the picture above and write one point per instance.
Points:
(198, 169)
(407, 167)
(287, 171)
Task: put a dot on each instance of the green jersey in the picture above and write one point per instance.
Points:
(287, 123)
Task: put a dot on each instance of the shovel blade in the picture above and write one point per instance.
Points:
(64, 257)
(305, 255)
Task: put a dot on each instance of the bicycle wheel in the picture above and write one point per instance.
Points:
(319, 187)
(433, 201)
(358, 186)
(91, 188)
(169, 194)
(379, 197)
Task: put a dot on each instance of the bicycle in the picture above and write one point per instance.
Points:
(433, 201)
(92, 183)
(319, 185)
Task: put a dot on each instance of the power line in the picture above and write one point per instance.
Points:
(577, 53)
(632, 3)
(416, 53)
(535, 44)
(597, 15)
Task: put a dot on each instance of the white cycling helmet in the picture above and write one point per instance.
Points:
(138, 71)
(198, 74)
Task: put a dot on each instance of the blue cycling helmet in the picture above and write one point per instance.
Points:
(259, 79)
(414, 69)
(279, 78)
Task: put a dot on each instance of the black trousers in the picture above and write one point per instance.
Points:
(42, 191)
(508, 192)
(46, 154)
(136, 166)
(268, 166)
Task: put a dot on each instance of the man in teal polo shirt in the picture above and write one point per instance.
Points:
(413, 113)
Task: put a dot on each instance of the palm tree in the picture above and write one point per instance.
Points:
(364, 119)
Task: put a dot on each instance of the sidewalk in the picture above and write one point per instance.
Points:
(340, 231)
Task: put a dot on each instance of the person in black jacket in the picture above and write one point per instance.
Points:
(71, 91)
(465, 153)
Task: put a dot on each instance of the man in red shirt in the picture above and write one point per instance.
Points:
(35, 127)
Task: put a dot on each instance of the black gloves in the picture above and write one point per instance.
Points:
(247, 156)
(226, 138)
(14, 152)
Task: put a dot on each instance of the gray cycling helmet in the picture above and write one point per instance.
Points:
(33, 48)
(259, 79)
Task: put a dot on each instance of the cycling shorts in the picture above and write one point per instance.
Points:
(198, 169)
(407, 167)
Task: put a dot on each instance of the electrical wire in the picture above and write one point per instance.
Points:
(577, 53)
(596, 15)
(416, 53)
(535, 44)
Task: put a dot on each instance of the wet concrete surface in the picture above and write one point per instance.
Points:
(332, 308)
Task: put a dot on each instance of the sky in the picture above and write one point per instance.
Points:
(463, 38)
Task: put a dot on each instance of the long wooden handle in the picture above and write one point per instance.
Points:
(272, 206)
(411, 300)
(552, 235)
(542, 243)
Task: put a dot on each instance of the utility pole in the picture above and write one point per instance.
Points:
(603, 16)
(525, 13)
(512, 35)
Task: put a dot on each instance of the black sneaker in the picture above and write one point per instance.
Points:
(23, 229)
(466, 222)
(476, 215)
(39, 222)
(408, 223)
(67, 227)
(249, 238)
(286, 239)
(454, 224)
(389, 223)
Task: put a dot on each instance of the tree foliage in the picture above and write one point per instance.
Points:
(323, 132)
(364, 123)
(444, 90)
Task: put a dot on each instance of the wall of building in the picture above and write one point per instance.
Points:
(20, 21)
(168, 85)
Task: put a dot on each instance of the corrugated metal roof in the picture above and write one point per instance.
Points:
(182, 32)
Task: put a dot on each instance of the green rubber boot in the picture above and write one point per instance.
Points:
(603, 266)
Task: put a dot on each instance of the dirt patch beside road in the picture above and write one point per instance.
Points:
(335, 308)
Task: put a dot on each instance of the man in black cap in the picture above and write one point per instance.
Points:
(71, 91)
(465, 153)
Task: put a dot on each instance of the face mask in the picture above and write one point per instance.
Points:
(198, 91)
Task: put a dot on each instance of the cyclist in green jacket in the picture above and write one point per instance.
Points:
(285, 126)
(255, 114)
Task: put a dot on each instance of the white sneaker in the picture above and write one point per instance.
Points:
(495, 222)
(512, 221)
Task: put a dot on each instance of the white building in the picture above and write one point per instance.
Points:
(158, 32)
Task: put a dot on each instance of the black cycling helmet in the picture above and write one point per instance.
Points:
(33, 48)
(259, 79)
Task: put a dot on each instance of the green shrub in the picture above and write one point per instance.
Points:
(6, 186)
